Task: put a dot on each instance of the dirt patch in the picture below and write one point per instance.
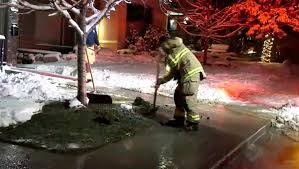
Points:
(61, 129)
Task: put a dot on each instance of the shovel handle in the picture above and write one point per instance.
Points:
(94, 88)
(157, 77)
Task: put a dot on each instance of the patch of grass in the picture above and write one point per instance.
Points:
(63, 129)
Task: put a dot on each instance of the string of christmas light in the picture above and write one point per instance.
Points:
(267, 49)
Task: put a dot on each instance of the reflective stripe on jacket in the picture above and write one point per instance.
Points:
(181, 63)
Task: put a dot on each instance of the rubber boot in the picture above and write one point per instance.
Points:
(177, 122)
(191, 126)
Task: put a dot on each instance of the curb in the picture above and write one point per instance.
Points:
(251, 139)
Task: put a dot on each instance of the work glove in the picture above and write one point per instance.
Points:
(158, 83)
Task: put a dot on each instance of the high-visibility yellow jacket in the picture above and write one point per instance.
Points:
(181, 63)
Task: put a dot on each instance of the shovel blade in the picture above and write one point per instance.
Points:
(96, 98)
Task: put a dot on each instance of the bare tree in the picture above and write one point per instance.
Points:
(204, 19)
(83, 25)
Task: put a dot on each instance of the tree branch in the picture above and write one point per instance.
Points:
(35, 7)
(66, 14)
(190, 33)
(91, 5)
(110, 4)
(25, 13)
(95, 11)
(72, 7)
(228, 35)
(21, 4)
(7, 5)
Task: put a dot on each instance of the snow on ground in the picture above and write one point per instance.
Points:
(22, 95)
(32, 86)
(288, 117)
(270, 86)
(13, 110)
(139, 80)
(62, 70)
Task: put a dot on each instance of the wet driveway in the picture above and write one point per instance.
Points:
(156, 148)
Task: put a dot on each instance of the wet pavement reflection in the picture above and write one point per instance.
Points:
(165, 148)
(273, 151)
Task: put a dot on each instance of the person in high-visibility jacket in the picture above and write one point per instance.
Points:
(182, 65)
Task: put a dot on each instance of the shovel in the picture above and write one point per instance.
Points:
(93, 96)
(154, 109)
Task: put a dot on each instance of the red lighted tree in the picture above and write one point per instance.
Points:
(270, 16)
(267, 18)
(205, 19)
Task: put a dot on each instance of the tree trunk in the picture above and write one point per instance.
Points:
(82, 97)
(205, 55)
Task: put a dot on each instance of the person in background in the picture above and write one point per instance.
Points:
(182, 65)
(92, 45)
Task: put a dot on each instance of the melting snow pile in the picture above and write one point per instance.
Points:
(62, 70)
(75, 103)
(138, 82)
(144, 83)
(252, 84)
(209, 94)
(288, 117)
(13, 111)
(25, 85)
(19, 93)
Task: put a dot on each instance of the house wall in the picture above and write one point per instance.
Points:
(116, 38)
(38, 30)
(159, 18)
(112, 32)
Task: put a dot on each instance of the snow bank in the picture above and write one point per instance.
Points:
(144, 83)
(62, 70)
(266, 85)
(13, 111)
(288, 117)
(209, 94)
(26, 85)
(138, 82)
(19, 94)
